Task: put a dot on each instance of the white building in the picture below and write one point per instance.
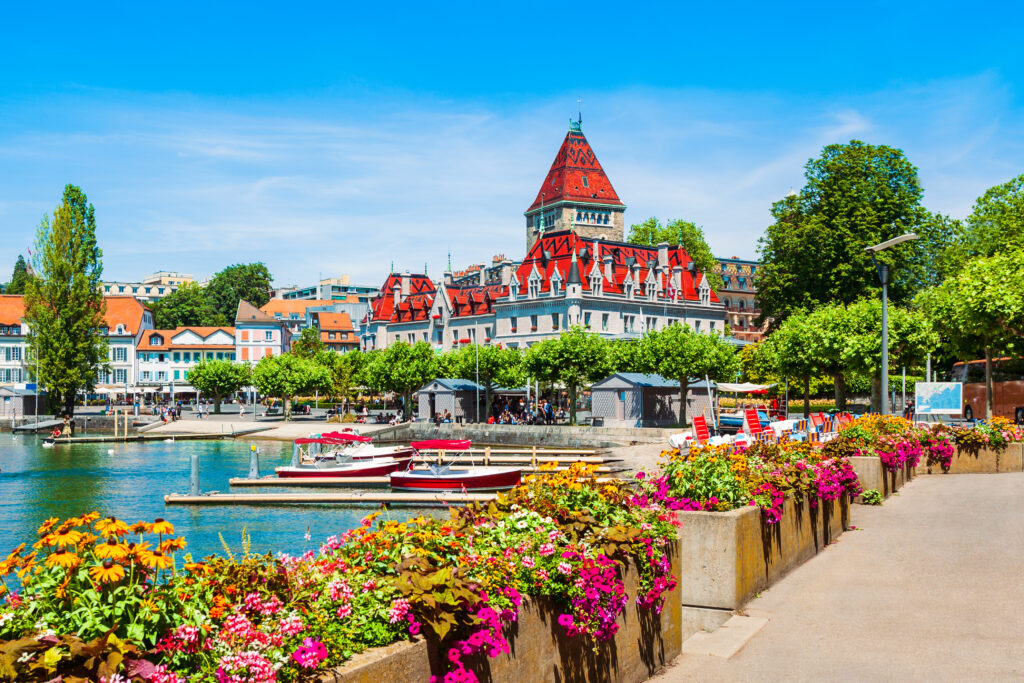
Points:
(166, 356)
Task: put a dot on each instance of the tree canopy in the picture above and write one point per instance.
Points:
(187, 306)
(497, 365)
(64, 306)
(401, 368)
(855, 195)
(19, 277)
(219, 378)
(686, 234)
(287, 375)
(574, 358)
(308, 343)
(249, 281)
(995, 224)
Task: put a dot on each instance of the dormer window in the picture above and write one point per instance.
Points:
(586, 183)
(120, 329)
(156, 340)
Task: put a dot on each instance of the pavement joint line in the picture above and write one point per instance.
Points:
(727, 639)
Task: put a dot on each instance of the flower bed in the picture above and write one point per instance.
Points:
(98, 598)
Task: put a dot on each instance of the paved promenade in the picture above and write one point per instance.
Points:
(930, 587)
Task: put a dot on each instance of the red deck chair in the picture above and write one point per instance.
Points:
(701, 433)
(751, 422)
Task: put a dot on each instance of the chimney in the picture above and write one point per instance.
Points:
(397, 292)
(506, 273)
(677, 281)
(663, 254)
(608, 274)
(449, 279)
(405, 284)
(483, 276)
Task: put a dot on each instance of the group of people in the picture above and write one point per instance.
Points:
(512, 412)
(442, 416)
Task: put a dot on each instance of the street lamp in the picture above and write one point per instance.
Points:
(476, 348)
(883, 277)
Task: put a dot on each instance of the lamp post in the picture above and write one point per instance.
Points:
(476, 349)
(883, 277)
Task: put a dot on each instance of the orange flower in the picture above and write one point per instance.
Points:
(111, 549)
(64, 536)
(136, 551)
(160, 526)
(172, 544)
(108, 572)
(85, 540)
(139, 528)
(66, 559)
(111, 526)
(61, 590)
(198, 568)
(156, 560)
(48, 526)
(89, 517)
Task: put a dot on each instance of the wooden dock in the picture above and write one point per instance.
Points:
(328, 482)
(353, 499)
(163, 436)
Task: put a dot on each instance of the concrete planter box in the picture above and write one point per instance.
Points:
(873, 475)
(728, 557)
(984, 462)
(645, 643)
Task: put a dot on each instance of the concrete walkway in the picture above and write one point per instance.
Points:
(929, 587)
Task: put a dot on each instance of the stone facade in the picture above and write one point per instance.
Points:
(739, 296)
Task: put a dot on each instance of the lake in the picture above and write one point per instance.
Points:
(131, 481)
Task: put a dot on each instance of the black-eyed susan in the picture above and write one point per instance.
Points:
(161, 526)
(172, 544)
(111, 526)
(137, 550)
(198, 568)
(47, 526)
(65, 558)
(64, 536)
(87, 539)
(156, 560)
(139, 528)
(90, 517)
(108, 572)
(111, 549)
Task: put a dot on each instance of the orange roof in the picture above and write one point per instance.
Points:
(124, 310)
(334, 321)
(146, 344)
(288, 306)
(12, 309)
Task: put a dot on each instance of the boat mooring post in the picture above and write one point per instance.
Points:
(193, 479)
(254, 462)
(296, 454)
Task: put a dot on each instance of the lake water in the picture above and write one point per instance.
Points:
(130, 483)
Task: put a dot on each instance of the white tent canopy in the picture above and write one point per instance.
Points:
(743, 388)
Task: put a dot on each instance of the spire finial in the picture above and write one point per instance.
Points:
(424, 267)
(392, 265)
(449, 260)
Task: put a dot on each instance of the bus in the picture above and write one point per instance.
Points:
(1007, 385)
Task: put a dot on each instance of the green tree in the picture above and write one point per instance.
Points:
(981, 311)
(63, 304)
(308, 344)
(792, 347)
(187, 306)
(345, 370)
(624, 355)
(575, 358)
(500, 366)
(287, 375)
(856, 195)
(219, 378)
(678, 353)
(995, 224)
(19, 278)
(249, 281)
(401, 368)
(689, 236)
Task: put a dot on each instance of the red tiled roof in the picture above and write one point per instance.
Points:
(339, 324)
(12, 309)
(575, 162)
(382, 308)
(121, 310)
(554, 251)
(146, 344)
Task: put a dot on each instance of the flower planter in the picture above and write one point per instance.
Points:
(872, 475)
(984, 461)
(728, 557)
(540, 650)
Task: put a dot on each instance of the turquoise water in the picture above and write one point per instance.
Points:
(130, 483)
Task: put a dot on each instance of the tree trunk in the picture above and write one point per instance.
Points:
(407, 405)
(840, 391)
(876, 394)
(684, 386)
(990, 394)
(807, 396)
(69, 403)
(572, 403)
(216, 403)
(287, 407)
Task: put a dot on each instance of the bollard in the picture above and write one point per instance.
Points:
(295, 454)
(193, 479)
(254, 463)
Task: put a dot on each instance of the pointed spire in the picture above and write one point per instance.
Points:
(574, 271)
(449, 260)
(576, 175)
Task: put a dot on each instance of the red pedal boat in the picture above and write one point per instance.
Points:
(343, 454)
(338, 467)
(441, 477)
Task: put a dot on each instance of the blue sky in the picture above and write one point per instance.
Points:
(337, 139)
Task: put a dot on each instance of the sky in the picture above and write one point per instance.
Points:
(333, 138)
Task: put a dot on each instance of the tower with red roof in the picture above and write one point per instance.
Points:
(576, 195)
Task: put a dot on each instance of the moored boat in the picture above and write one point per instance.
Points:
(344, 467)
(442, 477)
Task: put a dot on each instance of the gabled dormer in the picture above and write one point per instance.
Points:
(704, 292)
(596, 279)
(513, 287)
(533, 283)
(629, 285)
(556, 281)
(651, 285)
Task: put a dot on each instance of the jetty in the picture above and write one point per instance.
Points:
(161, 436)
(432, 499)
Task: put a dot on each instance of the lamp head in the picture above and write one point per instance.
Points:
(891, 243)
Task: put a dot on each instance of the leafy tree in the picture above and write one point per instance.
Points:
(401, 368)
(574, 358)
(996, 223)
(63, 304)
(308, 344)
(624, 355)
(497, 365)
(856, 195)
(250, 281)
(792, 347)
(344, 369)
(678, 353)
(288, 375)
(19, 278)
(981, 311)
(219, 378)
(187, 306)
(689, 236)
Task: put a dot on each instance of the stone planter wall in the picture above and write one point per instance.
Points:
(873, 475)
(984, 462)
(645, 643)
(727, 557)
